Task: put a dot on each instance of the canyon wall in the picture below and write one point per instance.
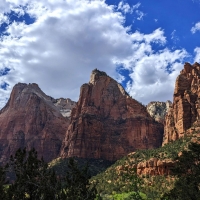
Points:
(30, 119)
(184, 115)
(107, 123)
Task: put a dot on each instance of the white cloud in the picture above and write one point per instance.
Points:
(197, 52)
(3, 19)
(152, 73)
(195, 28)
(71, 38)
(174, 37)
(126, 8)
(140, 14)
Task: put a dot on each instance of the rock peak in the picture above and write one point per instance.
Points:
(30, 119)
(95, 75)
(107, 123)
(184, 113)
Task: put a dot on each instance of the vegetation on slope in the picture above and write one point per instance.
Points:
(115, 179)
(33, 180)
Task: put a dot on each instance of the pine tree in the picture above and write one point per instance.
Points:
(77, 185)
(2, 183)
(187, 170)
(33, 179)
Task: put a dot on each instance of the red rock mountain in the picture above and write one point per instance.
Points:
(184, 115)
(31, 119)
(107, 123)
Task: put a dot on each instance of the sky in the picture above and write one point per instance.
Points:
(57, 43)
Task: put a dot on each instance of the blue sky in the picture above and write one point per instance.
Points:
(143, 44)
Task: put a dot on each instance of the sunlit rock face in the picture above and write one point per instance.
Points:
(158, 110)
(107, 123)
(65, 106)
(184, 114)
(30, 119)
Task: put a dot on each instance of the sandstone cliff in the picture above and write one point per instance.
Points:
(31, 119)
(184, 115)
(158, 110)
(107, 123)
(152, 167)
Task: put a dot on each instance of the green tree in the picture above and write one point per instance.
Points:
(2, 183)
(187, 170)
(135, 183)
(33, 179)
(76, 183)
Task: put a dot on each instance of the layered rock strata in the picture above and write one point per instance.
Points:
(184, 114)
(107, 123)
(152, 167)
(30, 119)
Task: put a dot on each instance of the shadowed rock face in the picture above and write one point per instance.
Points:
(185, 111)
(30, 119)
(106, 123)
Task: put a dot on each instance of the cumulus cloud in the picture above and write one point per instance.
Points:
(153, 73)
(195, 28)
(68, 39)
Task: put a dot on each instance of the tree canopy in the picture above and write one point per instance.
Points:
(187, 171)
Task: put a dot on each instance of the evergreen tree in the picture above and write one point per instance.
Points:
(187, 170)
(33, 180)
(76, 183)
(135, 183)
(2, 183)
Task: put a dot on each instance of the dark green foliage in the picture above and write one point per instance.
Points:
(115, 181)
(135, 183)
(2, 183)
(155, 186)
(33, 180)
(187, 170)
(76, 183)
(169, 150)
(95, 166)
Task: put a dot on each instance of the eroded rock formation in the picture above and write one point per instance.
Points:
(107, 123)
(65, 106)
(184, 114)
(30, 119)
(155, 166)
(158, 110)
(152, 167)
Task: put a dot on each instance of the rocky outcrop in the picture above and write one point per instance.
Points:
(30, 119)
(107, 123)
(158, 110)
(65, 106)
(151, 167)
(155, 166)
(184, 114)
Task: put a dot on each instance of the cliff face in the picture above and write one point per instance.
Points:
(106, 123)
(184, 114)
(31, 119)
(158, 110)
(152, 167)
(65, 106)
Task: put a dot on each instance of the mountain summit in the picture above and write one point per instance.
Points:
(30, 119)
(107, 123)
